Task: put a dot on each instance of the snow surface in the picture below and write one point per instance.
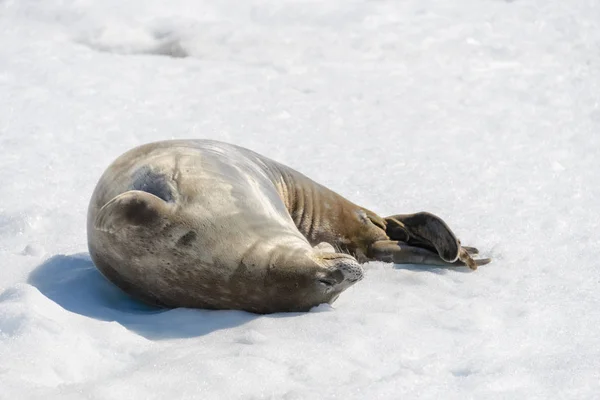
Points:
(484, 112)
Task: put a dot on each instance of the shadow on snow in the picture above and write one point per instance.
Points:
(73, 282)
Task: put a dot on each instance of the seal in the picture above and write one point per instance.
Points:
(206, 224)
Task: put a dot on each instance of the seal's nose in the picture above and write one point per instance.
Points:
(351, 270)
(342, 272)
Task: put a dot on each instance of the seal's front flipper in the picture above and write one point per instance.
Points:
(132, 208)
(424, 230)
(402, 253)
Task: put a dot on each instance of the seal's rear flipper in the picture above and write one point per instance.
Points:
(401, 253)
(426, 231)
(132, 208)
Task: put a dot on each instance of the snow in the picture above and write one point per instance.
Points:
(484, 112)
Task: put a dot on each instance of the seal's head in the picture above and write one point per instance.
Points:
(299, 281)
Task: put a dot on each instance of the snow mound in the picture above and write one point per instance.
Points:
(126, 39)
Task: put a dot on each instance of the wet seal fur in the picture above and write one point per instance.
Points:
(200, 223)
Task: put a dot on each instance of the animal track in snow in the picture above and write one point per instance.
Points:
(128, 39)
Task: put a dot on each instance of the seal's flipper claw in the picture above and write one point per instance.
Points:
(471, 250)
(483, 261)
(465, 257)
(132, 208)
(478, 262)
(426, 231)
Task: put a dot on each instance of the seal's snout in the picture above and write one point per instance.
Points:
(339, 273)
(344, 271)
(352, 271)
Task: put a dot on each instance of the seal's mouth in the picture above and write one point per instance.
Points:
(329, 286)
(336, 256)
(328, 282)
